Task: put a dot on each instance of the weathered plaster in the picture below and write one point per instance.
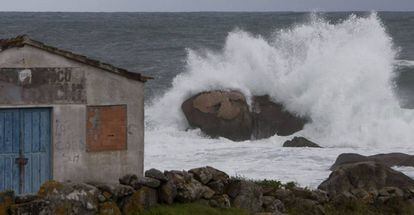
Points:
(70, 159)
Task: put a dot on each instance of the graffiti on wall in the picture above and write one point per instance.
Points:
(42, 86)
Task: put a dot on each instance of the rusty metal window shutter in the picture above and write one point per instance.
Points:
(106, 128)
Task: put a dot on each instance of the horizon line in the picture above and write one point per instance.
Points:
(202, 11)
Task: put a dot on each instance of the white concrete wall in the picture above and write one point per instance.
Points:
(70, 159)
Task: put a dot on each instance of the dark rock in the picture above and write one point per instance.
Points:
(25, 198)
(189, 189)
(226, 114)
(364, 175)
(220, 114)
(142, 199)
(300, 142)
(128, 179)
(246, 195)
(36, 207)
(220, 201)
(167, 192)
(272, 205)
(145, 181)
(202, 174)
(218, 186)
(391, 159)
(315, 195)
(270, 118)
(115, 191)
(156, 174)
(209, 174)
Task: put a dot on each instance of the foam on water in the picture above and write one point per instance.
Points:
(340, 75)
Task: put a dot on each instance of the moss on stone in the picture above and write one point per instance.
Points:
(134, 204)
(6, 199)
(109, 208)
(48, 188)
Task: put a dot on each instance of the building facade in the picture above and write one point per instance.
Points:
(65, 117)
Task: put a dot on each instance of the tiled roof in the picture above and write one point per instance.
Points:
(23, 40)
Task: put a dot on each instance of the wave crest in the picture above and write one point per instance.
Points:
(340, 75)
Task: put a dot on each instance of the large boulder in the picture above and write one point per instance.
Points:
(369, 176)
(270, 118)
(220, 114)
(391, 159)
(226, 114)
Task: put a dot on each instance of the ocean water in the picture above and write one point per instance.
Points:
(352, 73)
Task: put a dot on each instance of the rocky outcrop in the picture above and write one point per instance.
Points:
(391, 159)
(367, 176)
(226, 114)
(220, 114)
(270, 118)
(300, 142)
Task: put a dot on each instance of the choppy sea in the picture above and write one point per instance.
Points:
(352, 73)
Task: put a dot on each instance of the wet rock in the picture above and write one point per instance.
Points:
(156, 174)
(226, 114)
(220, 201)
(220, 114)
(300, 142)
(77, 198)
(246, 195)
(364, 175)
(270, 118)
(391, 159)
(142, 199)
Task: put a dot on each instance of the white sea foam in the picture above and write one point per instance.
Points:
(340, 75)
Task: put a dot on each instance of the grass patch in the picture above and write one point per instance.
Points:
(191, 209)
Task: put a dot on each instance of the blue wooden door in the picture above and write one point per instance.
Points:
(31, 141)
(9, 149)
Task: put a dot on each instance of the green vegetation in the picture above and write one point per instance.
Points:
(268, 182)
(191, 209)
(394, 206)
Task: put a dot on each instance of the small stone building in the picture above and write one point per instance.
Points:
(65, 117)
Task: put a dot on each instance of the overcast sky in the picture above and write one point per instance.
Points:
(206, 5)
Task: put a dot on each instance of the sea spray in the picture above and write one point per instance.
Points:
(340, 75)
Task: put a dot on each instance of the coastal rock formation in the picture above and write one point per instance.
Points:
(226, 114)
(220, 114)
(300, 142)
(367, 176)
(391, 159)
(270, 118)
